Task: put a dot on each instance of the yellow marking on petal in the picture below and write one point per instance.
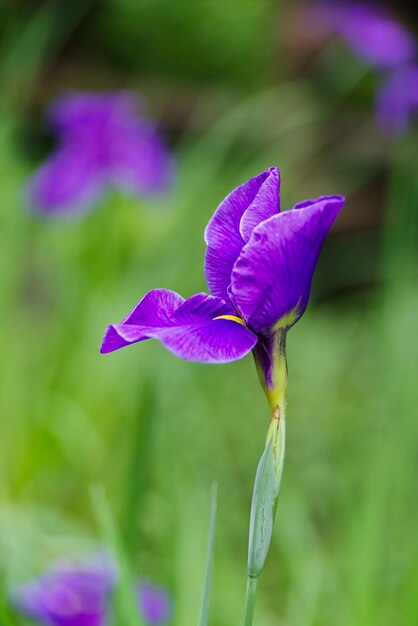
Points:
(233, 318)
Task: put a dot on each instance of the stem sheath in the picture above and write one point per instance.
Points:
(249, 601)
(270, 358)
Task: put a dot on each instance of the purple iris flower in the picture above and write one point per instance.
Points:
(102, 142)
(154, 603)
(397, 100)
(68, 595)
(259, 265)
(77, 595)
(370, 30)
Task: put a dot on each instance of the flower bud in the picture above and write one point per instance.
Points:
(265, 496)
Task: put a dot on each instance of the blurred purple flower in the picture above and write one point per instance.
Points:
(102, 143)
(77, 595)
(259, 265)
(397, 100)
(154, 604)
(68, 595)
(370, 30)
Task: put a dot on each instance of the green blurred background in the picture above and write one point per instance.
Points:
(235, 86)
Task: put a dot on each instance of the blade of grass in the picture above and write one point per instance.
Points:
(126, 607)
(138, 474)
(204, 607)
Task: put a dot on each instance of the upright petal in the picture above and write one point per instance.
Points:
(223, 235)
(67, 182)
(89, 114)
(188, 328)
(272, 276)
(265, 204)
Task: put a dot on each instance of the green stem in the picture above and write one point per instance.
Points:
(270, 358)
(250, 601)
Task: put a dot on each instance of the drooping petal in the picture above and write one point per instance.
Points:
(156, 308)
(223, 235)
(68, 181)
(140, 162)
(272, 276)
(188, 328)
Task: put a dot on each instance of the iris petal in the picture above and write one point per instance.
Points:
(69, 594)
(155, 604)
(223, 235)
(397, 100)
(371, 31)
(265, 204)
(68, 181)
(272, 276)
(90, 114)
(185, 327)
(139, 161)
